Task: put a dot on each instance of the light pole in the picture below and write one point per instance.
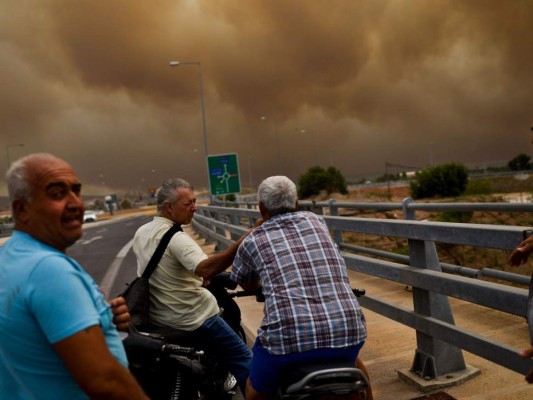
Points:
(313, 140)
(199, 64)
(7, 152)
(278, 154)
(250, 171)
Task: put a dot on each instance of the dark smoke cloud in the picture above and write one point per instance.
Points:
(355, 84)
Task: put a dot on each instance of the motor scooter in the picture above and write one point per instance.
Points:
(172, 364)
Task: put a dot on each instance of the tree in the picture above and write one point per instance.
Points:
(520, 162)
(126, 205)
(317, 179)
(447, 180)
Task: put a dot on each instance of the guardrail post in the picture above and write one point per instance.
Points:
(220, 246)
(433, 357)
(334, 211)
(208, 214)
(530, 298)
(235, 220)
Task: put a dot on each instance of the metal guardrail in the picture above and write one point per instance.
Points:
(439, 340)
(6, 230)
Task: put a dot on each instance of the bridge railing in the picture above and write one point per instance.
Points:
(6, 229)
(439, 340)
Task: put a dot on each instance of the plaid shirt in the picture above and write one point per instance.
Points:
(309, 303)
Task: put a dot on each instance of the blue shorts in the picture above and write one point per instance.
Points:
(266, 368)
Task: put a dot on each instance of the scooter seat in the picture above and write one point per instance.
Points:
(170, 335)
(332, 376)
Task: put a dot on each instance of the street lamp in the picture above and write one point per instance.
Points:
(7, 152)
(278, 154)
(313, 140)
(250, 171)
(179, 63)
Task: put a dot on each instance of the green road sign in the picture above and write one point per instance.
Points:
(224, 174)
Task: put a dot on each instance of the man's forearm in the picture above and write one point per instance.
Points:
(217, 263)
(87, 358)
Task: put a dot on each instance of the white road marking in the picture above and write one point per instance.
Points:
(109, 279)
(91, 240)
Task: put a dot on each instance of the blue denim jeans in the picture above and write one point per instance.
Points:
(218, 336)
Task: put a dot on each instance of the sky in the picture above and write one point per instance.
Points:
(354, 84)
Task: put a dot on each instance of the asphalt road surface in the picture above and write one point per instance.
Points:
(105, 252)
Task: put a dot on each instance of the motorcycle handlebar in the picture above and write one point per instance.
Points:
(258, 293)
(145, 341)
(244, 293)
(174, 349)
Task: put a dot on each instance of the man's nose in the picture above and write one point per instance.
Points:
(74, 200)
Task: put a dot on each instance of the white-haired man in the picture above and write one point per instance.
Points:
(311, 312)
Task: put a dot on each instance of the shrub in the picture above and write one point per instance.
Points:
(317, 179)
(126, 205)
(520, 162)
(446, 180)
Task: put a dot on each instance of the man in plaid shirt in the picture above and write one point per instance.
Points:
(310, 310)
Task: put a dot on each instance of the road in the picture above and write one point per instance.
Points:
(105, 253)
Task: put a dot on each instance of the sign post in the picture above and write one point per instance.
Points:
(223, 174)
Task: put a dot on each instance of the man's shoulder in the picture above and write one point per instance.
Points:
(295, 217)
(30, 257)
(307, 214)
(27, 244)
(156, 225)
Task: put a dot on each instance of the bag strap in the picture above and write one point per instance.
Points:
(152, 264)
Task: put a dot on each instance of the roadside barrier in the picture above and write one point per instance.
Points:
(439, 340)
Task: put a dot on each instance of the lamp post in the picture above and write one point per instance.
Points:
(313, 140)
(7, 152)
(278, 154)
(250, 171)
(199, 64)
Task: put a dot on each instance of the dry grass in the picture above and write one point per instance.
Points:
(466, 256)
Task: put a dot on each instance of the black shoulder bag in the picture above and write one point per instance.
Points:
(137, 294)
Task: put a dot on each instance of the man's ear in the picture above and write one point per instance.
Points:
(264, 213)
(166, 210)
(20, 210)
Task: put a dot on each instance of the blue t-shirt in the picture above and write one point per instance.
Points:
(45, 297)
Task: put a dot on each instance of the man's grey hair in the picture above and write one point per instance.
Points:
(167, 193)
(18, 181)
(277, 194)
